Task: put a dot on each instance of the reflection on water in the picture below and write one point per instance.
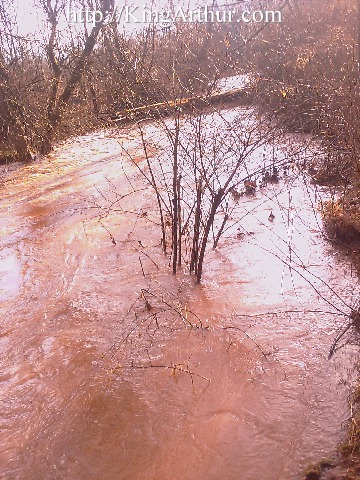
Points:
(95, 384)
(10, 273)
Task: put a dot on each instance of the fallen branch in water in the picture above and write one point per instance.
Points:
(285, 312)
(176, 367)
(250, 338)
(354, 320)
(178, 310)
(265, 355)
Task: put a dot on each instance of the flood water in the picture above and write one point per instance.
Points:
(98, 384)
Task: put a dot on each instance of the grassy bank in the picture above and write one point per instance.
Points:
(345, 464)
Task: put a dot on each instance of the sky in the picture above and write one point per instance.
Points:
(31, 20)
(27, 15)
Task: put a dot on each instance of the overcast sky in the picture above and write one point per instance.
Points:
(30, 18)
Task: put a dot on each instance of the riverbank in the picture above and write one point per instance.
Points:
(341, 219)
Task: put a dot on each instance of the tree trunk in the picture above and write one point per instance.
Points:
(11, 114)
(179, 220)
(57, 103)
(215, 205)
(175, 218)
(197, 220)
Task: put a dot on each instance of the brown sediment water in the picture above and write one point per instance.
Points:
(94, 387)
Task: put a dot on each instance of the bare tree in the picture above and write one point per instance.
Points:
(199, 172)
(12, 120)
(59, 97)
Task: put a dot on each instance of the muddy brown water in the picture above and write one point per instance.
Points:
(94, 387)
